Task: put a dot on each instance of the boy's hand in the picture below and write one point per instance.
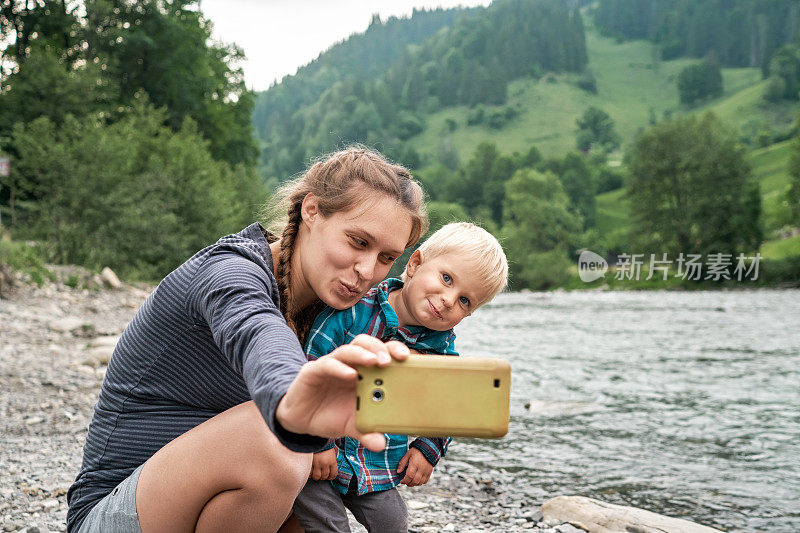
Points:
(324, 466)
(418, 469)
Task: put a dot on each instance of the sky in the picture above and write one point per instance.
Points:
(278, 36)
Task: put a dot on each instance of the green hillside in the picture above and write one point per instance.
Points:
(743, 106)
(632, 86)
(471, 62)
(781, 248)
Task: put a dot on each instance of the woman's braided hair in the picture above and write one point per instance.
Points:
(339, 182)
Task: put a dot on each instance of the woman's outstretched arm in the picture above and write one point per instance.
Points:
(231, 473)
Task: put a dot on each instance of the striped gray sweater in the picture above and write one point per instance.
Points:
(209, 337)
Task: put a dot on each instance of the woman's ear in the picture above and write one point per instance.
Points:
(309, 209)
(413, 263)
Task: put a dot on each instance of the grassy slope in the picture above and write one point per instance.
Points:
(741, 103)
(781, 248)
(629, 84)
(743, 107)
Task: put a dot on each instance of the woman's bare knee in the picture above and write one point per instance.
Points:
(270, 459)
(229, 470)
(265, 498)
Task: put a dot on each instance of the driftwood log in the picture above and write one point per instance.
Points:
(596, 516)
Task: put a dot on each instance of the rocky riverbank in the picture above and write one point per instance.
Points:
(55, 342)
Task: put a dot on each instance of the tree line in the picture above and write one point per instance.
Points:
(741, 33)
(469, 62)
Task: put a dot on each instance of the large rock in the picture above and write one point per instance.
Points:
(69, 324)
(98, 353)
(110, 279)
(596, 516)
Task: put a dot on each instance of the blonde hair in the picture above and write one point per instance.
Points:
(477, 243)
(338, 181)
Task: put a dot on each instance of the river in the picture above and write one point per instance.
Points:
(683, 403)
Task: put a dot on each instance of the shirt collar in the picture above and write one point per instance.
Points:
(382, 297)
(410, 334)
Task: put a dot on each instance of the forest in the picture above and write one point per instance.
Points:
(128, 132)
(134, 142)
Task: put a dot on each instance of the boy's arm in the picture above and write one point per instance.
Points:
(417, 465)
(432, 448)
(324, 464)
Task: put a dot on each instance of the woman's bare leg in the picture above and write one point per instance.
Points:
(230, 473)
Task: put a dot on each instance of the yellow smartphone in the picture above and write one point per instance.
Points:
(435, 396)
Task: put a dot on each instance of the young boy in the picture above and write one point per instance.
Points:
(455, 271)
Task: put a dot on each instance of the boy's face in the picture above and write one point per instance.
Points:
(441, 291)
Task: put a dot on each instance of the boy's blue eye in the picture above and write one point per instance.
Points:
(446, 278)
(464, 300)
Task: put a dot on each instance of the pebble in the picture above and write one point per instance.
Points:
(46, 399)
(66, 325)
(110, 279)
(49, 505)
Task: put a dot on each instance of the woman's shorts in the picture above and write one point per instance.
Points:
(117, 511)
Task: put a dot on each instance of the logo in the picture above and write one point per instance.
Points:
(591, 266)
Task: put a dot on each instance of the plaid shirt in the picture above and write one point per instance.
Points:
(374, 316)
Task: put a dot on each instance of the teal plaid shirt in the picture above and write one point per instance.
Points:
(374, 316)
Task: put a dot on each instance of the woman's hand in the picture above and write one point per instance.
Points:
(322, 398)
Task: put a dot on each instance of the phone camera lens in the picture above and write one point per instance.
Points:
(377, 395)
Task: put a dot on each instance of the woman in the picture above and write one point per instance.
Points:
(175, 444)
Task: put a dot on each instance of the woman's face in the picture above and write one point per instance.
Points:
(346, 253)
